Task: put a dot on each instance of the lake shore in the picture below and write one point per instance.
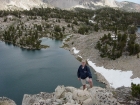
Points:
(86, 46)
(26, 46)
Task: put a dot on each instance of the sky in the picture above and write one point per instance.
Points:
(135, 1)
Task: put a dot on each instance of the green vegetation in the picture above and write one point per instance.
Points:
(114, 46)
(113, 20)
(83, 30)
(27, 35)
(56, 23)
(29, 38)
(57, 28)
(135, 90)
(122, 39)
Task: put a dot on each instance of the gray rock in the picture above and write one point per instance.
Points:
(37, 99)
(72, 96)
(6, 101)
(124, 96)
(48, 101)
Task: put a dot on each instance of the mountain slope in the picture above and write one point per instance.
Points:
(21, 4)
(68, 4)
(93, 4)
(64, 4)
(129, 6)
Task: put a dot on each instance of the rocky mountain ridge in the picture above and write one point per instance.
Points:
(91, 4)
(21, 4)
(68, 4)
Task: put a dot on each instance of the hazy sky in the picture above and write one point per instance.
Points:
(135, 1)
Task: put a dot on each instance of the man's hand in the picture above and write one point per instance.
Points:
(79, 79)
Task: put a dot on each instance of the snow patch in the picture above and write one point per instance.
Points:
(24, 7)
(79, 6)
(75, 51)
(110, 3)
(79, 56)
(116, 78)
(91, 21)
(98, 3)
(12, 3)
(93, 16)
(67, 37)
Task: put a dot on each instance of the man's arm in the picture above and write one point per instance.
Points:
(78, 72)
(88, 72)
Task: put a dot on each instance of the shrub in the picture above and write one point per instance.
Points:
(135, 90)
(57, 28)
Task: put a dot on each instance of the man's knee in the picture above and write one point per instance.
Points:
(90, 81)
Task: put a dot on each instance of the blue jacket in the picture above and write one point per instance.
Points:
(84, 73)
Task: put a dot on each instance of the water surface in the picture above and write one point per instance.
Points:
(33, 71)
(138, 29)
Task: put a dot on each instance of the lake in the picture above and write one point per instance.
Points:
(33, 71)
(138, 29)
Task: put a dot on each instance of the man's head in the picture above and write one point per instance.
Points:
(83, 62)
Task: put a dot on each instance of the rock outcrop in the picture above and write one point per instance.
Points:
(72, 96)
(6, 101)
(124, 96)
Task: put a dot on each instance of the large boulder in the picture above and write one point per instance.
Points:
(68, 97)
(59, 91)
(6, 101)
(37, 99)
(88, 101)
(102, 96)
(70, 89)
(81, 95)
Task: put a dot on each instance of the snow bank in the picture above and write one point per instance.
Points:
(79, 56)
(116, 78)
(75, 51)
(79, 6)
(67, 37)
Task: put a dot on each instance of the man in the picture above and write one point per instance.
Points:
(84, 74)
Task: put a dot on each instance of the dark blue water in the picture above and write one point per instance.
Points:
(138, 29)
(34, 71)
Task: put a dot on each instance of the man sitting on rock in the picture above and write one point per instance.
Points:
(84, 74)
